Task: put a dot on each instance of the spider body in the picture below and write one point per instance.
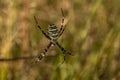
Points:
(53, 35)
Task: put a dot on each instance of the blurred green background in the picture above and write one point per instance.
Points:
(92, 35)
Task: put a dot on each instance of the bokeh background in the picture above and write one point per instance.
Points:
(92, 35)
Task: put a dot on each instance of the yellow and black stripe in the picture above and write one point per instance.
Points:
(53, 33)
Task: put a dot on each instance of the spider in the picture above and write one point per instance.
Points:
(53, 35)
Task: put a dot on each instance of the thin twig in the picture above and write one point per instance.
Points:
(17, 58)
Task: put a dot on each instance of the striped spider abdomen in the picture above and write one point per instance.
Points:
(53, 33)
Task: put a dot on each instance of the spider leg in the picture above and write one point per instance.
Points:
(62, 31)
(62, 24)
(63, 50)
(40, 28)
(44, 52)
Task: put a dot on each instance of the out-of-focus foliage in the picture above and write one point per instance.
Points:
(92, 35)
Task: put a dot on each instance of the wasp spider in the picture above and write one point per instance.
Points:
(53, 35)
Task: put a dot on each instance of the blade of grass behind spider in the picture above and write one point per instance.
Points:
(7, 38)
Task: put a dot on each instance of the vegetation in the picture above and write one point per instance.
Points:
(92, 35)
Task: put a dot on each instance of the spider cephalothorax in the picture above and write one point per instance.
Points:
(53, 35)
